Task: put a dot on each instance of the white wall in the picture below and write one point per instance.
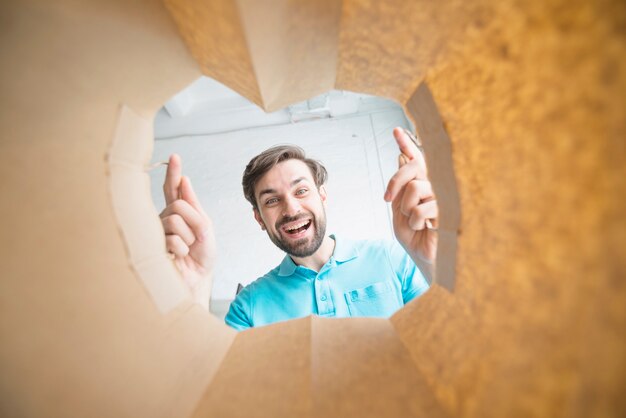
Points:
(358, 150)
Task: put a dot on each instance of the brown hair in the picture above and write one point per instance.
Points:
(265, 161)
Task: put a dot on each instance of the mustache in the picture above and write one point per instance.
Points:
(287, 219)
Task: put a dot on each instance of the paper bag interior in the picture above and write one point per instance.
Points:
(521, 109)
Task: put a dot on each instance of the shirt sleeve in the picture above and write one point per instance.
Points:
(238, 314)
(411, 277)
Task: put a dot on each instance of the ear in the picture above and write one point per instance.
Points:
(323, 194)
(258, 218)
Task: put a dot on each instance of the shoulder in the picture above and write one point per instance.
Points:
(260, 283)
(384, 250)
(374, 246)
(367, 252)
(241, 312)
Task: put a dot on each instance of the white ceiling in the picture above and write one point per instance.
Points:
(208, 107)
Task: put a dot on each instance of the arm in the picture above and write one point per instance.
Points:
(188, 233)
(413, 204)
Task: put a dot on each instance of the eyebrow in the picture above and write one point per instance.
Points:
(296, 181)
(266, 191)
(271, 191)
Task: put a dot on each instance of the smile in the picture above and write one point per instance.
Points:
(297, 228)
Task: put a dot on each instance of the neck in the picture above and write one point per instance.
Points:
(319, 257)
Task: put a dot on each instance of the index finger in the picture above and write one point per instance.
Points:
(172, 179)
(409, 148)
(405, 143)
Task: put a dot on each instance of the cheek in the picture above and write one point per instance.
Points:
(317, 204)
(269, 219)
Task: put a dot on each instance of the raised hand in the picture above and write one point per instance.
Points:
(188, 232)
(413, 202)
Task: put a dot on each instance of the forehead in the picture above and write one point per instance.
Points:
(283, 174)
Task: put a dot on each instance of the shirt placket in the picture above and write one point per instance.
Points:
(323, 297)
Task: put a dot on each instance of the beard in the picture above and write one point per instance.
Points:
(303, 247)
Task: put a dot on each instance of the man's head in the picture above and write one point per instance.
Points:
(287, 193)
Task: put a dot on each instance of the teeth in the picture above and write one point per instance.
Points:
(296, 226)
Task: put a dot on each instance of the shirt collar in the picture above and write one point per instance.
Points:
(287, 267)
(344, 251)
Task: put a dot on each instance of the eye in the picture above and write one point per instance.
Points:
(301, 192)
(271, 201)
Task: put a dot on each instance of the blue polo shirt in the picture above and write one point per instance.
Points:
(361, 278)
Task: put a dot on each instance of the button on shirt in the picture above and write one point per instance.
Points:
(361, 278)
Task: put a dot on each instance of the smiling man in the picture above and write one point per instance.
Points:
(321, 274)
(288, 197)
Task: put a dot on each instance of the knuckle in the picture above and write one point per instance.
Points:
(427, 186)
(172, 222)
(177, 205)
(413, 187)
(203, 226)
(435, 207)
(176, 245)
(405, 209)
(416, 223)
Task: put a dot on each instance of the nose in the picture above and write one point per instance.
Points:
(291, 206)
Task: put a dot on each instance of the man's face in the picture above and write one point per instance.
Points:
(291, 208)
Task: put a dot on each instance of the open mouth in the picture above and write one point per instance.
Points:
(297, 228)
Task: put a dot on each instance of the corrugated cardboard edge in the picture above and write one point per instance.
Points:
(129, 186)
(422, 109)
(143, 237)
